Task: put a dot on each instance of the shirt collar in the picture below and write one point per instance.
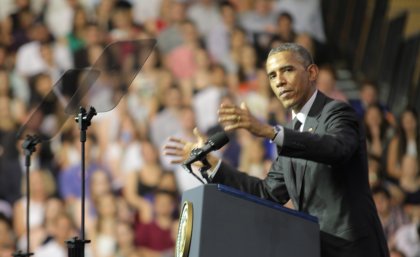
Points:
(303, 113)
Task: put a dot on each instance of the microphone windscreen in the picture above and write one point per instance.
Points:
(218, 140)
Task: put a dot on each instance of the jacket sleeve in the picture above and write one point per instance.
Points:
(273, 187)
(334, 142)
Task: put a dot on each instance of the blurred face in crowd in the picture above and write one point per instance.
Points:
(368, 94)
(188, 119)
(325, 81)
(248, 57)
(262, 6)
(43, 84)
(382, 203)
(80, 18)
(94, 52)
(218, 76)
(64, 228)
(100, 184)
(190, 32)
(305, 40)
(373, 168)
(409, 121)
(121, 18)
(125, 236)
(4, 85)
(284, 25)
(37, 184)
(149, 152)
(177, 12)
(164, 204)
(92, 35)
(168, 182)
(173, 98)
(106, 206)
(237, 39)
(228, 15)
(39, 32)
(207, 2)
(53, 208)
(290, 80)
(47, 53)
(3, 55)
(373, 116)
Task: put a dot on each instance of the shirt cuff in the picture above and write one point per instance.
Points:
(279, 137)
(214, 171)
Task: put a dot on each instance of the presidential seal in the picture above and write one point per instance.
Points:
(183, 240)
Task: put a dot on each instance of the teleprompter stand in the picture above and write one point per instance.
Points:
(102, 85)
(76, 246)
(112, 74)
(29, 146)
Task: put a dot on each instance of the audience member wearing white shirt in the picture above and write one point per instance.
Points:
(204, 13)
(145, 10)
(407, 240)
(307, 16)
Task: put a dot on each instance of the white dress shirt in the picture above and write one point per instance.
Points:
(301, 116)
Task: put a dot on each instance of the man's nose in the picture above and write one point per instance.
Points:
(280, 81)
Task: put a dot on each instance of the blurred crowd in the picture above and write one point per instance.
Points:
(207, 52)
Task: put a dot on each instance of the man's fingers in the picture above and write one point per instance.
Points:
(243, 106)
(227, 105)
(169, 153)
(176, 140)
(199, 135)
(172, 147)
(227, 110)
(176, 161)
(227, 118)
(232, 127)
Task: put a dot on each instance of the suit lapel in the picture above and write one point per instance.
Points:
(291, 175)
(311, 124)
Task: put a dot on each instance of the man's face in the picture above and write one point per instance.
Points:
(290, 80)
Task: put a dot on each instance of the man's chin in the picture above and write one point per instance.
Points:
(288, 104)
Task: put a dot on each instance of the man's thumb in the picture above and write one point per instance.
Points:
(243, 106)
(199, 136)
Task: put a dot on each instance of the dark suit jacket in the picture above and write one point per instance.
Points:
(328, 178)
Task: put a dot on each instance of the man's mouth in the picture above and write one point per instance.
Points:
(285, 93)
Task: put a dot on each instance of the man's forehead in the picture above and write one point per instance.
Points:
(282, 59)
(279, 58)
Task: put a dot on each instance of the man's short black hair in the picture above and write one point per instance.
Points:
(301, 52)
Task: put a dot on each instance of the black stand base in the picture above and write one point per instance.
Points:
(76, 247)
(21, 254)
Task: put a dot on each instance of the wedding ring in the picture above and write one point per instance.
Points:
(238, 119)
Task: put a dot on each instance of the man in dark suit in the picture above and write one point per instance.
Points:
(321, 164)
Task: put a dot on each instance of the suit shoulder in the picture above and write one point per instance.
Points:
(339, 106)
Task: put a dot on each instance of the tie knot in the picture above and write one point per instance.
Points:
(297, 124)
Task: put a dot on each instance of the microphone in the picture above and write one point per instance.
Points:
(215, 142)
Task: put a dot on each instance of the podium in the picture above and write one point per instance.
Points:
(219, 221)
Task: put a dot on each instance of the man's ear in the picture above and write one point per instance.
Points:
(313, 72)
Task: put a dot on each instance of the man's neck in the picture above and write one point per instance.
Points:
(299, 108)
